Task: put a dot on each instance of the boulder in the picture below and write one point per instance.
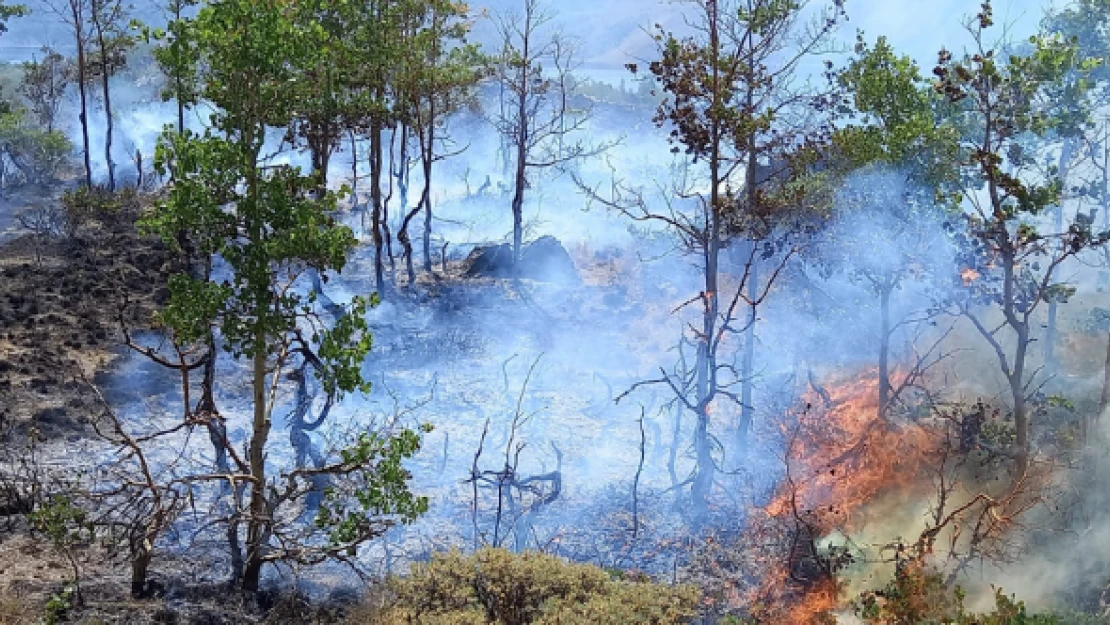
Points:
(543, 260)
(490, 261)
(546, 259)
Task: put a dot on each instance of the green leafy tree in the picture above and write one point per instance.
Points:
(1083, 91)
(1009, 264)
(918, 596)
(897, 133)
(177, 56)
(9, 11)
(439, 80)
(44, 85)
(270, 226)
(376, 45)
(28, 153)
(66, 525)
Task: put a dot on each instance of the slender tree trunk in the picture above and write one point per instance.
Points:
(104, 76)
(1103, 398)
(706, 365)
(428, 237)
(402, 171)
(376, 204)
(521, 140)
(706, 382)
(884, 349)
(140, 564)
(320, 147)
(387, 235)
(519, 181)
(422, 204)
(257, 523)
(747, 363)
(1021, 406)
(429, 159)
(83, 116)
(1051, 331)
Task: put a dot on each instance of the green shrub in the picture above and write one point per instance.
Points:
(58, 606)
(28, 153)
(919, 596)
(496, 586)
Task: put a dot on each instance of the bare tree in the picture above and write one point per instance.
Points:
(44, 85)
(728, 107)
(109, 22)
(518, 498)
(76, 14)
(535, 118)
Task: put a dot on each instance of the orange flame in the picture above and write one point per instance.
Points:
(843, 456)
(969, 275)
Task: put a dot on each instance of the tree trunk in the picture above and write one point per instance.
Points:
(402, 171)
(429, 159)
(1051, 332)
(747, 364)
(518, 208)
(521, 143)
(320, 152)
(387, 235)
(1104, 397)
(83, 116)
(354, 169)
(104, 75)
(424, 203)
(706, 365)
(1021, 406)
(376, 204)
(428, 237)
(140, 563)
(257, 523)
(884, 350)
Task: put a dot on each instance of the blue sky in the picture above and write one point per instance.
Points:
(920, 28)
(611, 30)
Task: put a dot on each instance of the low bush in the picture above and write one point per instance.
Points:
(496, 586)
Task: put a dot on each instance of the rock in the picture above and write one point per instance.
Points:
(494, 261)
(544, 260)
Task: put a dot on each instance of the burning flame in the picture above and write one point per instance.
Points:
(843, 456)
(969, 275)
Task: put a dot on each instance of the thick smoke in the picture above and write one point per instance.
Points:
(552, 357)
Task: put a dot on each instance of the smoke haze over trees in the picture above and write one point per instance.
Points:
(420, 311)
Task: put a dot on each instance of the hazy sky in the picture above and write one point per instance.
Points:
(611, 31)
(919, 28)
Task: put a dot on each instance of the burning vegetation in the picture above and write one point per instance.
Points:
(816, 351)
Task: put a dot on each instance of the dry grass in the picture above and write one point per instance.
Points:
(17, 611)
